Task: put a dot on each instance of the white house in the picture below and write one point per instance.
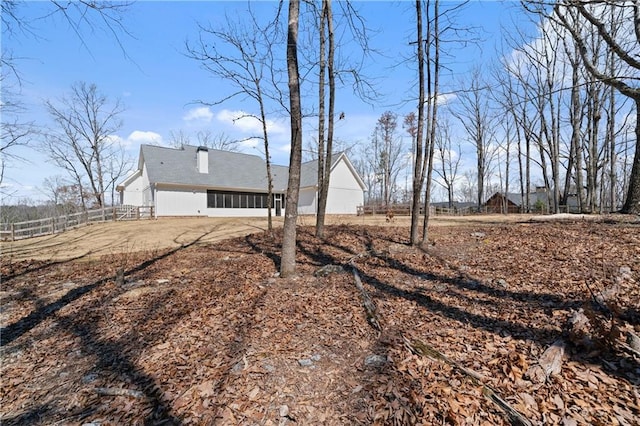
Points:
(197, 181)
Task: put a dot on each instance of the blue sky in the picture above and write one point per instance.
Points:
(158, 83)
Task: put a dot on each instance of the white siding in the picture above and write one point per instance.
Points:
(181, 202)
(307, 201)
(345, 194)
(193, 202)
(132, 193)
(147, 191)
(239, 212)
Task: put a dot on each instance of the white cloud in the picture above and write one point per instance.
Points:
(117, 140)
(199, 114)
(251, 143)
(285, 148)
(445, 98)
(247, 122)
(140, 137)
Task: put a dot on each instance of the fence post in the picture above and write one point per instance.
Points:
(137, 213)
(114, 213)
(13, 232)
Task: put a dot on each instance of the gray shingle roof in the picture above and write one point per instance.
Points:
(231, 170)
(516, 198)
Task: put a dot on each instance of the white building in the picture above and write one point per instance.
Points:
(196, 181)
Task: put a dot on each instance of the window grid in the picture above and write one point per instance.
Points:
(236, 200)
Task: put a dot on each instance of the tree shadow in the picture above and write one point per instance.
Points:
(269, 250)
(115, 357)
(13, 331)
(41, 267)
(543, 302)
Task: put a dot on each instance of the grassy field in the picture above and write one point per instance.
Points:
(123, 237)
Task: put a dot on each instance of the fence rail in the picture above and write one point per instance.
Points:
(405, 210)
(54, 225)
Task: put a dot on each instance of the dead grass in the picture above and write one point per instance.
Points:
(125, 237)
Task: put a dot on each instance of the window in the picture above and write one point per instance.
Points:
(236, 200)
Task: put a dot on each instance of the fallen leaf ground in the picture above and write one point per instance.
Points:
(207, 334)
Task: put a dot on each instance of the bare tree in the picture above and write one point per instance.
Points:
(333, 69)
(417, 129)
(474, 115)
(288, 258)
(433, 91)
(387, 149)
(63, 195)
(580, 19)
(325, 152)
(80, 15)
(14, 131)
(367, 170)
(117, 164)
(179, 138)
(249, 65)
(449, 154)
(516, 97)
(429, 66)
(219, 141)
(82, 144)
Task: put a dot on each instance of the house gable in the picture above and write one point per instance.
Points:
(309, 171)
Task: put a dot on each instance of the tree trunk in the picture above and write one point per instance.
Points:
(632, 203)
(430, 146)
(322, 65)
(288, 260)
(324, 156)
(611, 132)
(418, 176)
(267, 158)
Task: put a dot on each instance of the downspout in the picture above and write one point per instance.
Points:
(153, 200)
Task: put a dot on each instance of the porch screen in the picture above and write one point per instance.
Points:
(237, 200)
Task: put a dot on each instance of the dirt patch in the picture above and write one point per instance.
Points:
(114, 238)
(207, 334)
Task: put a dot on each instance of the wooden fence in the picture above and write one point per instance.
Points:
(54, 225)
(405, 210)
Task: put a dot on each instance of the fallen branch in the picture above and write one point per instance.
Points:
(423, 349)
(633, 343)
(515, 418)
(369, 306)
(119, 392)
(420, 348)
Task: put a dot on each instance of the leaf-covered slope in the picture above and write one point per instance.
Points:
(209, 335)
